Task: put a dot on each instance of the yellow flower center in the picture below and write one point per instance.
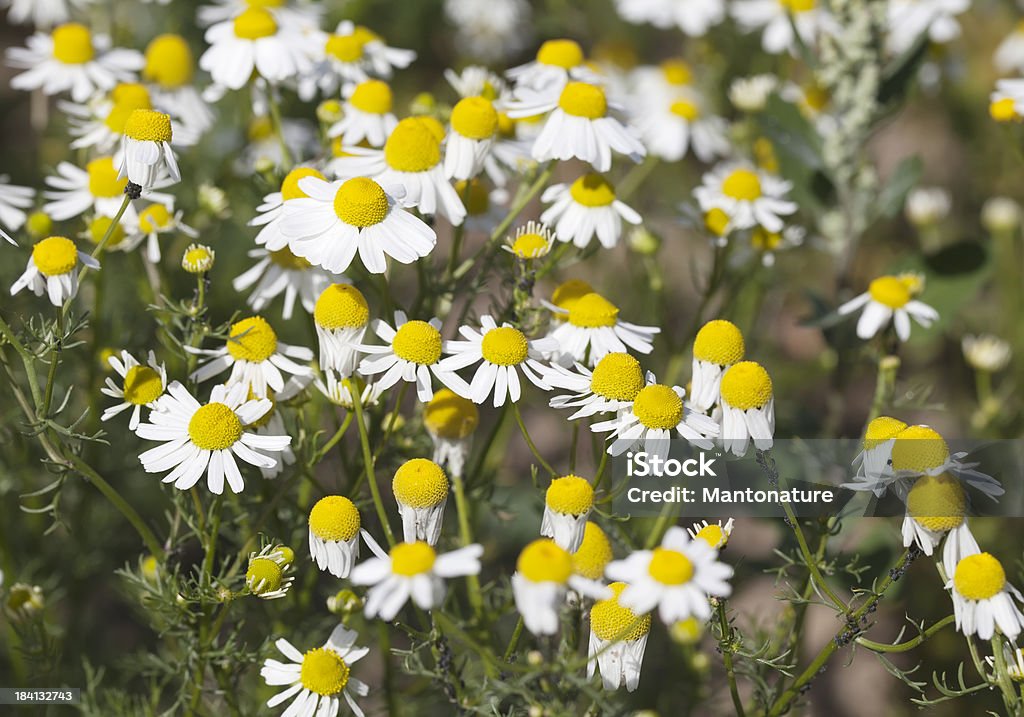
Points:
(1003, 110)
(979, 577)
(413, 146)
(361, 202)
(567, 294)
(450, 416)
(685, 109)
(719, 342)
(169, 62)
(252, 339)
(417, 341)
(72, 44)
(39, 223)
(265, 418)
(324, 672)
(618, 377)
(592, 190)
(475, 196)
(505, 346)
(214, 427)
(742, 184)
(154, 218)
(254, 23)
(286, 260)
(570, 495)
(670, 567)
(889, 291)
(594, 554)
(127, 98)
(148, 126)
(716, 221)
(372, 96)
(475, 118)
(506, 126)
(937, 502)
(103, 181)
(420, 483)
(341, 306)
(566, 54)
(410, 559)
(543, 561)
(764, 240)
(658, 406)
(609, 620)
(918, 448)
(349, 48)
(529, 245)
(142, 385)
(582, 100)
(881, 430)
(334, 518)
(54, 256)
(98, 228)
(260, 128)
(676, 72)
(263, 576)
(746, 385)
(290, 185)
(593, 311)
(197, 259)
(713, 534)
(797, 6)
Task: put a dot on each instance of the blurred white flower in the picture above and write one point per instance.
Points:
(986, 352)
(927, 206)
(909, 19)
(1000, 214)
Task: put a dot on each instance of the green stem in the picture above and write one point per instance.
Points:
(466, 538)
(812, 564)
(332, 441)
(661, 526)
(1005, 684)
(635, 177)
(99, 249)
(909, 644)
(51, 374)
(888, 366)
(726, 647)
(514, 640)
(371, 476)
(275, 116)
(529, 441)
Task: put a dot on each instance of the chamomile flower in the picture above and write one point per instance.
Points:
(777, 18)
(351, 54)
(567, 504)
(40, 13)
(341, 315)
(412, 569)
(421, 491)
(451, 421)
(268, 574)
(169, 70)
(612, 386)
(96, 189)
(937, 507)
(198, 258)
(655, 415)
(71, 59)
(677, 577)
(412, 352)
(265, 148)
(334, 528)
(476, 80)
(254, 41)
(618, 638)
(502, 352)
(920, 450)
(578, 126)
(1009, 55)
(271, 212)
(874, 462)
(281, 272)
(890, 298)
(544, 574)
(303, 17)
(99, 123)
(53, 269)
(672, 125)
(591, 330)
(594, 553)
(532, 240)
(140, 387)
(337, 219)
(491, 31)
(748, 196)
(205, 438)
(366, 114)
(585, 209)
(146, 152)
(767, 244)
(485, 206)
(474, 128)
(255, 356)
(693, 17)
(13, 201)
(717, 346)
(714, 534)
(339, 392)
(318, 679)
(1014, 661)
(155, 221)
(987, 352)
(983, 599)
(747, 408)
(556, 62)
(909, 19)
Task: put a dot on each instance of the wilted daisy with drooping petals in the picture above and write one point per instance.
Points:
(281, 272)
(890, 298)
(873, 463)
(271, 211)
(920, 450)
(502, 352)
(338, 219)
(567, 505)
(544, 574)
(585, 209)
(748, 196)
(693, 17)
(318, 679)
(268, 573)
(141, 386)
(350, 54)
(983, 599)
(71, 59)
(717, 346)
(341, 316)
(53, 269)
(412, 569)
(612, 385)
(205, 438)
(451, 420)
(255, 356)
(777, 19)
(334, 528)
(146, 154)
(594, 553)
(556, 62)
(421, 491)
(474, 128)
(747, 408)
(591, 330)
(618, 638)
(937, 507)
(677, 577)
(13, 201)
(366, 114)
(338, 390)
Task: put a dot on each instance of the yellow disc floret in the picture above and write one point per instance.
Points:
(127, 97)
(334, 519)
(1003, 110)
(529, 245)
(154, 218)
(255, 23)
(582, 100)
(742, 184)
(418, 342)
(567, 294)
(889, 291)
(797, 6)
(719, 342)
(658, 406)
(54, 256)
(148, 126)
(103, 181)
(286, 260)
(566, 54)
(746, 385)
(290, 185)
(99, 227)
(543, 561)
(324, 672)
(618, 377)
(685, 109)
(142, 385)
(40, 224)
(169, 62)
(420, 483)
(349, 48)
(214, 427)
(449, 415)
(252, 339)
(570, 495)
(263, 576)
(197, 259)
(475, 118)
(361, 202)
(713, 534)
(341, 306)
(410, 559)
(670, 567)
(505, 346)
(979, 577)
(413, 146)
(880, 430)
(72, 44)
(592, 190)
(610, 621)
(919, 448)
(676, 72)
(716, 221)
(937, 502)
(594, 554)
(593, 311)
(372, 96)
(474, 195)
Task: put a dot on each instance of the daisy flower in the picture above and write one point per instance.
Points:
(341, 315)
(411, 159)
(96, 189)
(544, 574)
(677, 577)
(485, 206)
(909, 19)
(281, 272)
(271, 212)
(146, 150)
(567, 505)
(338, 391)
(254, 41)
(556, 62)
(747, 195)
(476, 80)
(303, 16)
(366, 114)
(318, 679)
(591, 330)
(71, 59)
(351, 54)
(267, 575)
(474, 128)
(198, 258)
(40, 13)
(594, 553)
(693, 17)
(421, 491)
(874, 462)
(264, 147)
(921, 450)
(13, 201)
(490, 31)
(585, 209)
(205, 438)
(767, 244)
(750, 94)
(983, 599)
(155, 221)
(532, 240)
(170, 70)
(618, 638)
(502, 352)
(451, 421)
(53, 269)
(717, 346)
(99, 123)
(578, 126)
(255, 356)
(411, 354)
(674, 124)
(612, 386)
(337, 219)
(334, 528)
(986, 352)
(1009, 55)
(890, 298)
(747, 408)
(414, 570)
(714, 534)
(936, 507)
(140, 386)
(1014, 661)
(656, 413)
(777, 18)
